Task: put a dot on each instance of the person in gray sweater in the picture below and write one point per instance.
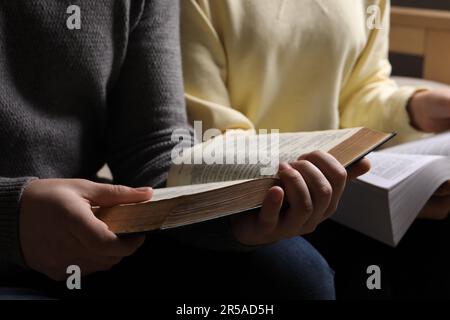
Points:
(74, 99)
(100, 82)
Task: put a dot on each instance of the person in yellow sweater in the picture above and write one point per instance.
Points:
(302, 65)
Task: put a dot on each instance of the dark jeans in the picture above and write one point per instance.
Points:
(418, 268)
(163, 268)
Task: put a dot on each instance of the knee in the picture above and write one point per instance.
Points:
(306, 271)
(319, 282)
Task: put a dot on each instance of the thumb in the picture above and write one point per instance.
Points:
(358, 169)
(108, 195)
(269, 215)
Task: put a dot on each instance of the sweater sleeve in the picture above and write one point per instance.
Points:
(370, 98)
(147, 105)
(205, 71)
(10, 193)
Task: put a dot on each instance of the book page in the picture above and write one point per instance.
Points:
(293, 145)
(436, 145)
(174, 192)
(237, 157)
(389, 169)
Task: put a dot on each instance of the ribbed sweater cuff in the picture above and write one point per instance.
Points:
(10, 193)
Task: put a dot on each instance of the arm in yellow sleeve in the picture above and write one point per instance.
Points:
(205, 70)
(207, 99)
(370, 98)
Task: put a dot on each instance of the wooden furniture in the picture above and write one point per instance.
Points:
(425, 33)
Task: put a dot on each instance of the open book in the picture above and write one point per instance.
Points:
(384, 202)
(231, 174)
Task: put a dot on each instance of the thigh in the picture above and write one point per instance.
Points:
(416, 268)
(167, 269)
(291, 268)
(421, 263)
(350, 254)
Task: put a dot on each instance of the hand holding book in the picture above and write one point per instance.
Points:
(429, 110)
(58, 227)
(203, 191)
(312, 187)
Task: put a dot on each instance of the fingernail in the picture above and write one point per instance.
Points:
(143, 189)
(283, 166)
(277, 197)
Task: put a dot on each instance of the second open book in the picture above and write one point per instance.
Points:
(384, 202)
(210, 180)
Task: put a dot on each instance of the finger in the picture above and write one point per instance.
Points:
(95, 236)
(334, 172)
(320, 190)
(93, 264)
(102, 262)
(443, 191)
(437, 208)
(87, 266)
(98, 263)
(358, 169)
(301, 206)
(440, 125)
(108, 195)
(270, 212)
(441, 109)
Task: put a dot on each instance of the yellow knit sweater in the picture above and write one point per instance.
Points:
(293, 65)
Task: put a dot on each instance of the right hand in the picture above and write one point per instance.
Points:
(312, 187)
(58, 227)
(429, 110)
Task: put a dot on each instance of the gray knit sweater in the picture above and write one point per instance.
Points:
(71, 100)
